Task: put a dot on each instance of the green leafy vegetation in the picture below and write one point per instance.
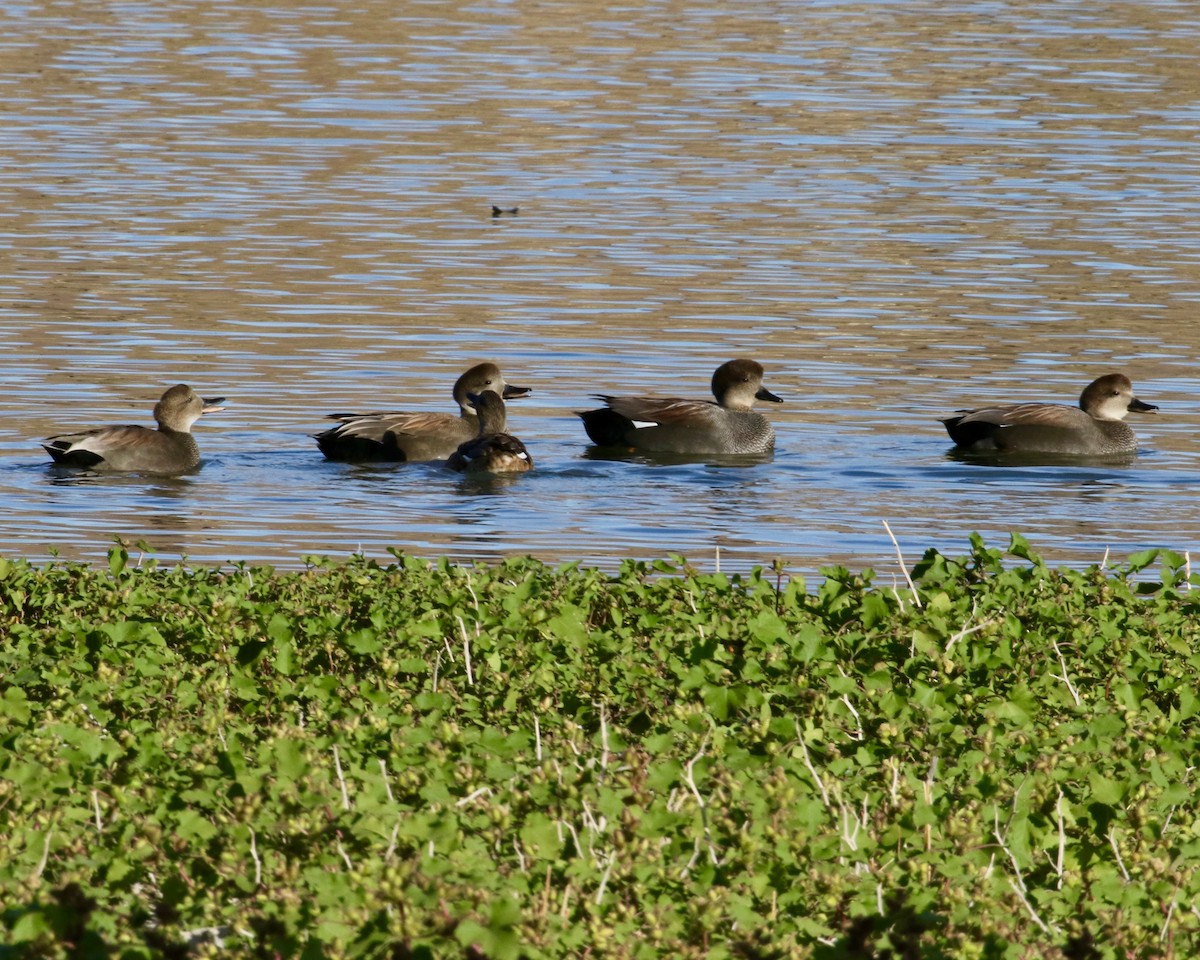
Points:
(420, 759)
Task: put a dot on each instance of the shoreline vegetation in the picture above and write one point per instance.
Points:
(419, 759)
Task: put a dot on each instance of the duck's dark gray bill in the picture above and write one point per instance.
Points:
(1136, 406)
(214, 403)
(511, 392)
(765, 394)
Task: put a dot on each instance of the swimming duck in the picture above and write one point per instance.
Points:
(171, 449)
(1095, 428)
(493, 450)
(420, 436)
(728, 426)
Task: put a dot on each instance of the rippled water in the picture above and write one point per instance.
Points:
(899, 208)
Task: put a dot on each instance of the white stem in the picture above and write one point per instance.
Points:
(929, 780)
(1018, 884)
(816, 776)
(41, 867)
(1112, 842)
(337, 766)
(1162, 934)
(603, 736)
(1065, 678)
(475, 795)
(966, 633)
(903, 566)
(466, 651)
(1062, 837)
(386, 785)
(604, 879)
(1019, 890)
(257, 860)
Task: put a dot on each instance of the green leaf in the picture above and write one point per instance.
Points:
(1105, 790)
(289, 758)
(15, 705)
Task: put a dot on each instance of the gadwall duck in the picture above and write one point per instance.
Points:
(1093, 429)
(414, 436)
(169, 449)
(493, 450)
(728, 426)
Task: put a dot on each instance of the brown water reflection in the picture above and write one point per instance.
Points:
(899, 209)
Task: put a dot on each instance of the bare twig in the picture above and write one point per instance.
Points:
(689, 777)
(387, 855)
(466, 651)
(903, 566)
(857, 734)
(1018, 882)
(41, 866)
(1018, 886)
(1062, 836)
(345, 856)
(537, 738)
(1112, 842)
(1065, 678)
(611, 859)
(851, 825)
(386, 785)
(96, 810)
(337, 766)
(1162, 934)
(816, 776)
(603, 736)
(257, 860)
(473, 796)
(967, 631)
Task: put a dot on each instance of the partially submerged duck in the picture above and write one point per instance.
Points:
(419, 436)
(493, 450)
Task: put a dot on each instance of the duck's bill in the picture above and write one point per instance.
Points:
(765, 394)
(213, 405)
(1136, 406)
(511, 392)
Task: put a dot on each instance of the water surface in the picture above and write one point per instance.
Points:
(900, 209)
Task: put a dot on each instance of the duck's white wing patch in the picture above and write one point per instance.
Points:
(105, 439)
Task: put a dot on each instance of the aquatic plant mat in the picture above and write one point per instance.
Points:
(420, 759)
